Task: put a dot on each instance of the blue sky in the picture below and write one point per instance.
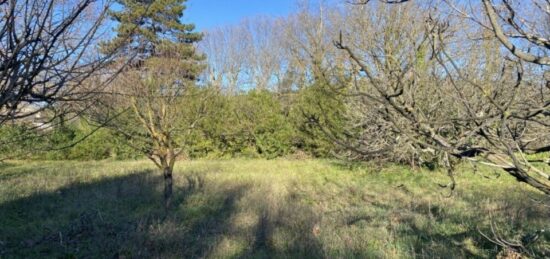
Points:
(207, 14)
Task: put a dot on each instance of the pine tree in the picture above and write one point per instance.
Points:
(143, 25)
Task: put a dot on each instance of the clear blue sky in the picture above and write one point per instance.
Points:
(206, 14)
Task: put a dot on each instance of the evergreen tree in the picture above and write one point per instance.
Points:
(144, 25)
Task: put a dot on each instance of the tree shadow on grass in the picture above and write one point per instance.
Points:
(297, 222)
(112, 218)
(464, 238)
(9, 171)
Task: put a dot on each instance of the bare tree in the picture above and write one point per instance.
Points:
(227, 50)
(522, 29)
(248, 55)
(156, 108)
(478, 105)
(510, 21)
(48, 48)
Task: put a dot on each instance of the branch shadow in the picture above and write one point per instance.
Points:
(119, 217)
(298, 223)
(515, 216)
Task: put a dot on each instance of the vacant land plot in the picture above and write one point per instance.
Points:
(261, 209)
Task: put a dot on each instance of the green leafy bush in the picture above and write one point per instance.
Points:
(252, 124)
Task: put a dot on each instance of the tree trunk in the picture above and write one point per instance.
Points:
(168, 182)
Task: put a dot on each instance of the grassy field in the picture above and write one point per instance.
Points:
(260, 209)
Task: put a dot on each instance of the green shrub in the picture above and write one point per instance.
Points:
(252, 124)
(314, 112)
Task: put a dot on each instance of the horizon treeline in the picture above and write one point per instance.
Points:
(408, 83)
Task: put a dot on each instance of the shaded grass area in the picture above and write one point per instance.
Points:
(260, 209)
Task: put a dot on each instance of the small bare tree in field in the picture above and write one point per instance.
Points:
(156, 108)
(47, 49)
(449, 97)
(155, 101)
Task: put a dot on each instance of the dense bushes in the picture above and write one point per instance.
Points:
(251, 124)
(72, 141)
(101, 144)
(256, 123)
(319, 118)
(15, 140)
(259, 124)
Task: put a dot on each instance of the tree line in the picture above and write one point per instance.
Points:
(420, 82)
(429, 84)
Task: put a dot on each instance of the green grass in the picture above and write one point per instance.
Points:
(260, 209)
